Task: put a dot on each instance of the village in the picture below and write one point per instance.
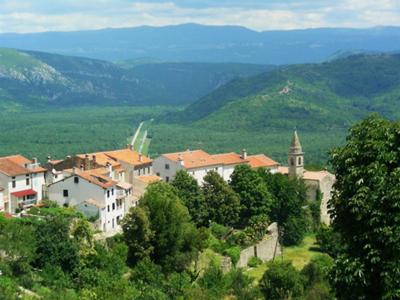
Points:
(103, 186)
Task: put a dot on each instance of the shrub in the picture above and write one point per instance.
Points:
(219, 231)
(281, 281)
(328, 241)
(233, 253)
(254, 262)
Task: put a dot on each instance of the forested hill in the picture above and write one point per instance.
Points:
(193, 42)
(311, 96)
(37, 79)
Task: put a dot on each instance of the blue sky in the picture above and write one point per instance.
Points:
(66, 15)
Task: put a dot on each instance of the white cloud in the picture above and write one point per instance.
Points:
(43, 15)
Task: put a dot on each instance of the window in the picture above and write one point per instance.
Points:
(166, 166)
(299, 160)
(167, 179)
(108, 194)
(65, 193)
(108, 208)
(139, 172)
(158, 174)
(113, 223)
(14, 184)
(27, 180)
(76, 179)
(292, 161)
(112, 192)
(113, 206)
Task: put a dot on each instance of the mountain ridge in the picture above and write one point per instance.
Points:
(201, 43)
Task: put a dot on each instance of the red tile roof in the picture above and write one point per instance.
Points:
(16, 165)
(261, 161)
(93, 176)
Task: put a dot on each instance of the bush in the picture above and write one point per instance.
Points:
(233, 253)
(317, 270)
(294, 230)
(254, 262)
(281, 281)
(329, 241)
(219, 231)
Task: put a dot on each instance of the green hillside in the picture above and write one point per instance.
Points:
(259, 113)
(37, 79)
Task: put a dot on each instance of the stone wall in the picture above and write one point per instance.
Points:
(266, 249)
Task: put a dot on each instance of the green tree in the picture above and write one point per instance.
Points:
(137, 235)
(290, 198)
(281, 281)
(55, 246)
(190, 193)
(253, 192)
(176, 241)
(365, 211)
(222, 202)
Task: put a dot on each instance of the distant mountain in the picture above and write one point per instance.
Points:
(310, 97)
(38, 79)
(191, 42)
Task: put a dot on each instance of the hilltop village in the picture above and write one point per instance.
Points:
(103, 186)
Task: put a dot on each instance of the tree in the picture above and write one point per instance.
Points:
(253, 192)
(290, 198)
(190, 193)
(281, 281)
(222, 202)
(365, 211)
(137, 235)
(175, 240)
(55, 246)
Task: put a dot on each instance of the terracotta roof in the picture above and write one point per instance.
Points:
(316, 175)
(15, 165)
(115, 156)
(192, 159)
(231, 158)
(129, 156)
(148, 178)
(261, 160)
(283, 170)
(92, 177)
(124, 185)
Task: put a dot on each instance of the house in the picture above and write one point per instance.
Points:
(317, 182)
(198, 163)
(22, 181)
(125, 164)
(93, 193)
(2, 208)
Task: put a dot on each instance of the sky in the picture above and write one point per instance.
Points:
(69, 15)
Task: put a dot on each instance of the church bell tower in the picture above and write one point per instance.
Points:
(296, 158)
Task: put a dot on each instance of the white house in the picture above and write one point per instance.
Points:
(97, 196)
(22, 181)
(198, 163)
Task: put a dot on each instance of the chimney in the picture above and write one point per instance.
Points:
(140, 157)
(94, 159)
(74, 170)
(181, 161)
(48, 158)
(68, 157)
(244, 154)
(82, 168)
(35, 161)
(129, 146)
(109, 168)
(86, 162)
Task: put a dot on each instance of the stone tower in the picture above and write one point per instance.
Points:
(296, 158)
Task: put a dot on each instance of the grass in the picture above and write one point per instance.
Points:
(302, 254)
(298, 255)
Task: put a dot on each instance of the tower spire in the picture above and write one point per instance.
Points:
(296, 157)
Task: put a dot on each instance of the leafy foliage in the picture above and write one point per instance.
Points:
(255, 199)
(365, 211)
(222, 202)
(281, 281)
(190, 193)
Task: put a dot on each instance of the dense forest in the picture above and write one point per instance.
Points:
(171, 243)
